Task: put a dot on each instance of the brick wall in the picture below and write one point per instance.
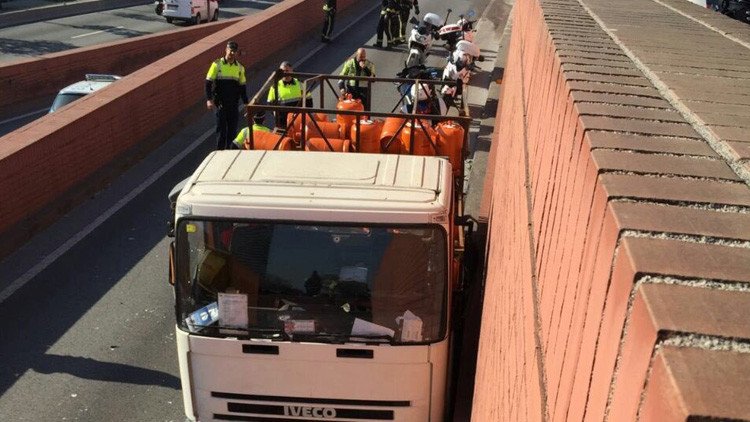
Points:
(618, 283)
(41, 163)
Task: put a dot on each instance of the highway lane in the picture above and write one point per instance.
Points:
(62, 34)
(36, 39)
(90, 335)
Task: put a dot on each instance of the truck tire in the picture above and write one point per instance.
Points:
(170, 20)
(197, 19)
(216, 16)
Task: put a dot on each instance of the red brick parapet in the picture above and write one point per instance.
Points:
(618, 279)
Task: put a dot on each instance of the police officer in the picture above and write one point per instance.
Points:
(329, 8)
(405, 7)
(225, 86)
(287, 92)
(388, 23)
(244, 134)
(358, 65)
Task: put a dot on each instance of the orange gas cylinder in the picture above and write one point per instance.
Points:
(296, 128)
(267, 141)
(422, 144)
(390, 127)
(450, 142)
(329, 130)
(349, 104)
(319, 144)
(369, 135)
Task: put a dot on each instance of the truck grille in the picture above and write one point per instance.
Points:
(303, 408)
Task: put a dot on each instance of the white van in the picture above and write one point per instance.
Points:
(194, 11)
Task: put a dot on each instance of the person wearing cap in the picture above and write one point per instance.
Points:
(357, 65)
(287, 91)
(244, 134)
(329, 8)
(225, 87)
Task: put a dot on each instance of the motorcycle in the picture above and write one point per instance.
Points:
(463, 29)
(421, 38)
(422, 98)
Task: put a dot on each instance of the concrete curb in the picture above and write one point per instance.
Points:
(38, 14)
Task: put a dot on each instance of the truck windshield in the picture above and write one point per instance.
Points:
(313, 283)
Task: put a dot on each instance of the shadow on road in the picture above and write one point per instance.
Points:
(96, 370)
(32, 47)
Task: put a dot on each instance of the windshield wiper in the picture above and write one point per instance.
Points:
(273, 334)
(372, 338)
(343, 338)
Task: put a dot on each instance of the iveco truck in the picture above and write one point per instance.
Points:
(316, 285)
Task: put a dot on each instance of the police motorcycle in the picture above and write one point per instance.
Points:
(423, 34)
(422, 98)
(461, 64)
(463, 29)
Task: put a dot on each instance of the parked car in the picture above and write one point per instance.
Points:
(92, 82)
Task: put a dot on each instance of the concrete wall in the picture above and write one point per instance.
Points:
(43, 163)
(618, 283)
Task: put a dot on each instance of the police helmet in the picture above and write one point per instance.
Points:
(433, 19)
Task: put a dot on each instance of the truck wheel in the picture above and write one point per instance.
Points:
(197, 19)
(216, 16)
(170, 20)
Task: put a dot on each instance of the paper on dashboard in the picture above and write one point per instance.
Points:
(367, 328)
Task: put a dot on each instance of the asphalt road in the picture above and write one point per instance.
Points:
(36, 39)
(86, 314)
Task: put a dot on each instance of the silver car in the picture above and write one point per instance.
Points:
(92, 83)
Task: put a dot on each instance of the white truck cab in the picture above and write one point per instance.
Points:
(194, 11)
(314, 285)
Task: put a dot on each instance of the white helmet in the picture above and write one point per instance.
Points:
(433, 19)
(468, 48)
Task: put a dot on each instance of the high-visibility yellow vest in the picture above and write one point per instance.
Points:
(245, 133)
(288, 92)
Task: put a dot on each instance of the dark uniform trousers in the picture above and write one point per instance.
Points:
(226, 125)
(404, 12)
(389, 22)
(330, 15)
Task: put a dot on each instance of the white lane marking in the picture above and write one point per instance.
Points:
(57, 253)
(96, 32)
(49, 259)
(24, 115)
